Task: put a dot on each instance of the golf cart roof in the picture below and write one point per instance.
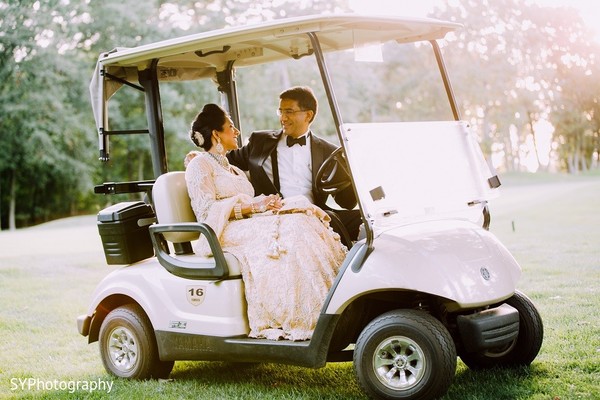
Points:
(202, 55)
(275, 40)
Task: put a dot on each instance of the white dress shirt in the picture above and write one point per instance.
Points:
(295, 168)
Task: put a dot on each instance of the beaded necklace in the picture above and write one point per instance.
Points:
(221, 160)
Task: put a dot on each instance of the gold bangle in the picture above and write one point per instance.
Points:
(237, 211)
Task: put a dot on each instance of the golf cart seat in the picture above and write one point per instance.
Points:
(172, 205)
(177, 227)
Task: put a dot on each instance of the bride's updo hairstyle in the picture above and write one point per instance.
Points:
(212, 117)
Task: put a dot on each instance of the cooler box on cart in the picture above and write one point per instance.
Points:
(123, 228)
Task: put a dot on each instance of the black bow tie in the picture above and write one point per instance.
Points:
(292, 141)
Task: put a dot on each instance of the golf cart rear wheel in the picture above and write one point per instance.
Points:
(405, 354)
(521, 351)
(127, 345)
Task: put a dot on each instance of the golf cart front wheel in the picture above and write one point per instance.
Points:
(405, 354)
(127, 345)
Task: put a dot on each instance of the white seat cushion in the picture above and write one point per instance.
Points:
(172, 205)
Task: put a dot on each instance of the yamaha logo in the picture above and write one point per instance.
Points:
(485, 273)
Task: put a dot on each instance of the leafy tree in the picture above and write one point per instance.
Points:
(49, 49)
(42, 128)
(515, 50)
(576, 117)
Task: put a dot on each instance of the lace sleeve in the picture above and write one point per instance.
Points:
(208, 206)
(201, 187)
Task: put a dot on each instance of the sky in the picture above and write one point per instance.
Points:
(588, 9)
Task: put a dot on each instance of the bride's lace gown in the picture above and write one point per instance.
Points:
(289, 260)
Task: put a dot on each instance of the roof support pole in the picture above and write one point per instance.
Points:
(335, 110)
(227, 87)
(446, 79)
(149, 81)
(337, 119)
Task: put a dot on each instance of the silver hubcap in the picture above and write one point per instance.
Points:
(399, 363)
(122, 349)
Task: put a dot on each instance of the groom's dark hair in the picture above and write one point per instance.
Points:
(304, 96)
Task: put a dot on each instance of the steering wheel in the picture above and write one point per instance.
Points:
(326, 181)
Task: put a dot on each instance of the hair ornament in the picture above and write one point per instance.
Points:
(199, 138)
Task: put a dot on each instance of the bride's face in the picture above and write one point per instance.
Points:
(228, 135)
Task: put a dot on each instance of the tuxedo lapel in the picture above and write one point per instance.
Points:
(317, 156)
(269, 145)
(264, 149)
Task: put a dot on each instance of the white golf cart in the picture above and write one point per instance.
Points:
(425, 282)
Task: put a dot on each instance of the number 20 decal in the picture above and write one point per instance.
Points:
(195, 294)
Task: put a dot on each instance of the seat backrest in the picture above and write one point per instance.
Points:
(172, 205)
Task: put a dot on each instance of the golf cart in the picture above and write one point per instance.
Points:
(426, 281)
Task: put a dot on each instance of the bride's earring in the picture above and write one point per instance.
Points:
(219, 147)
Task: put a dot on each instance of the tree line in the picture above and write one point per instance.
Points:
(518, 69)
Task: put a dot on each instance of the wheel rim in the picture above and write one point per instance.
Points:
(399, 363)
(122, 349)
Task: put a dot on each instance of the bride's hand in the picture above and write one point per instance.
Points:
(275, 202)
(271, 202)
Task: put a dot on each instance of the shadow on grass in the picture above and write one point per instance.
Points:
(256, 380)
(499, 383)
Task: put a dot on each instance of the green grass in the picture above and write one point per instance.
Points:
(549, 223)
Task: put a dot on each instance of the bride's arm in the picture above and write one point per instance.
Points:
(203, 195)
(201, 187)
(216, 212)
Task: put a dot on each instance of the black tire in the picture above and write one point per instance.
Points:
(128, 347)
(523, 350)
(405, 354)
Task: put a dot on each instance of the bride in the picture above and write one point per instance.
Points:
(288, 253)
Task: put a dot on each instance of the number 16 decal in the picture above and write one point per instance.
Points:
(195, 294)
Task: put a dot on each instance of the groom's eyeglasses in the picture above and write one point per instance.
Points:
(288, 112)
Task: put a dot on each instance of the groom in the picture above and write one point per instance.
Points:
(286, 161)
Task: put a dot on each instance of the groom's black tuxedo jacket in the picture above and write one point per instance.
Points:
(260, 148)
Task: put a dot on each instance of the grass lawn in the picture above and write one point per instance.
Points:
(550, 224)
